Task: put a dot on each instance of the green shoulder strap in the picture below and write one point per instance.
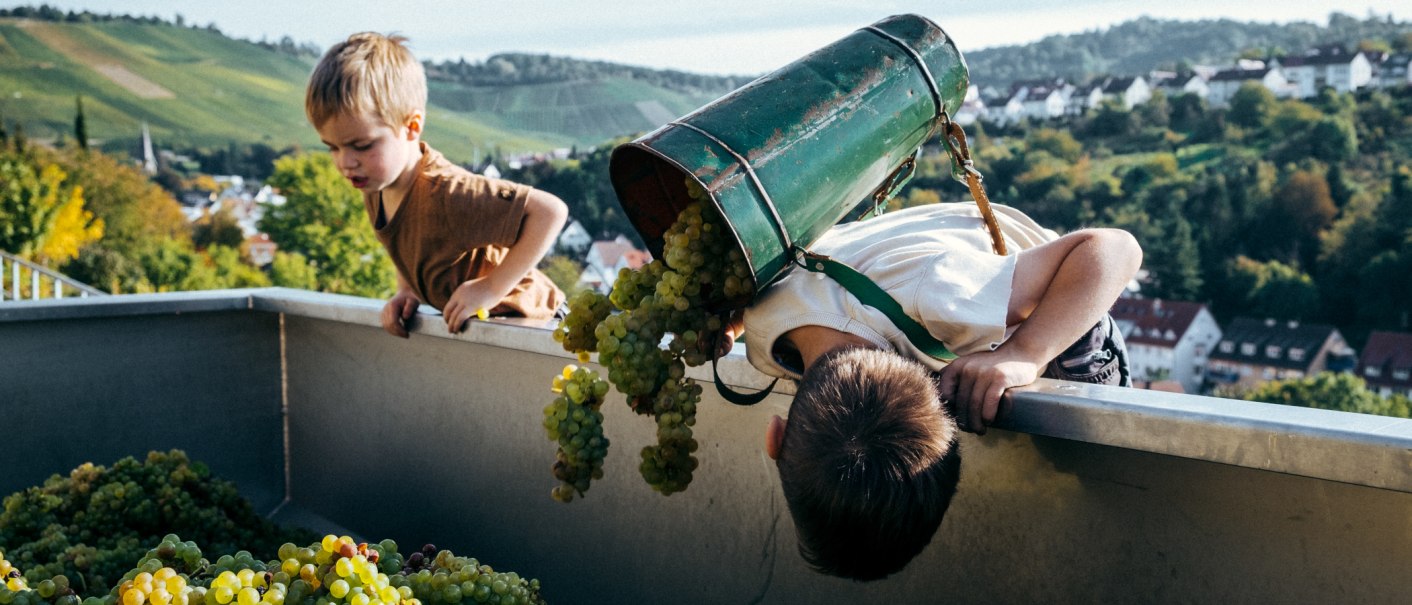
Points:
(870, 294)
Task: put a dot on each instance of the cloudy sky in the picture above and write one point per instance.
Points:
(721, 36)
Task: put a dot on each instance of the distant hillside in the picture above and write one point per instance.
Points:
(192, 86)
(1135, 47)
(589, 101)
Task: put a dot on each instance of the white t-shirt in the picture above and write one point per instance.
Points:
(936, 260)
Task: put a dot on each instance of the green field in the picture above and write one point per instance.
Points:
(589, 111)
(191, 86)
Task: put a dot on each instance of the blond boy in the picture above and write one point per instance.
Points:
(461, 242)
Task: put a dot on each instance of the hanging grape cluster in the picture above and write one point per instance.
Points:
(657, 320)
(573, 420)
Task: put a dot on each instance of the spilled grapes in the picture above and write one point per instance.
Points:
(657, 320)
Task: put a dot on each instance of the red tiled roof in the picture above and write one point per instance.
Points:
(1154, 318)
(610, 251)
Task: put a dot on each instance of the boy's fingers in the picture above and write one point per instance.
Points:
(992, 403)
(409, 308)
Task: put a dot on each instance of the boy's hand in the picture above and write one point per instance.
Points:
(398, 312)
(469, 298)
(975, 383)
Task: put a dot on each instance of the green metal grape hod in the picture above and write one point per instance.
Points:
(789, 155)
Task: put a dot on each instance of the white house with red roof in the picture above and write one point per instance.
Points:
(1386, 363)
(1167, 338)
(606, 258)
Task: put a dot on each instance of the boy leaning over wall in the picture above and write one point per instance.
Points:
(461, 242)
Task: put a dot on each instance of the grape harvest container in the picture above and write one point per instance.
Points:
(789, 155)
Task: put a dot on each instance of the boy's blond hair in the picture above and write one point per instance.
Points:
(368, 73)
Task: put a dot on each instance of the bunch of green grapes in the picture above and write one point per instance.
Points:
(657, 320)
(667, 466)
(574, 422)
(91, 524)
(587, 308)
(442, 578)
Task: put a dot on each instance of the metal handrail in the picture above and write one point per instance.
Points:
(10, 280)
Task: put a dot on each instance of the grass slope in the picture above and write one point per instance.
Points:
(221, 89)
(587, 111)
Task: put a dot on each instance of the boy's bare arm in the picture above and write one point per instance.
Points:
(544, 217)
(1060, 290)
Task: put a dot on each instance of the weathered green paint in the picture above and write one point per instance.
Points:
(821, 134)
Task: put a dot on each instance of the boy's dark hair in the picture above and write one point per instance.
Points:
(868, 463)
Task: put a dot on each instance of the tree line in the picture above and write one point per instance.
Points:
(511, 69)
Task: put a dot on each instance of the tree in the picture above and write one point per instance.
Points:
(1273, 289)
(1333, 140)
(80, 126)
(1186, 112)
(1112, 120)
(1330, 391)
(563, 271)
(1302, 210)
(324, 220)
(292, 270)
(217, 228)
(1251, 105)
(42, 215)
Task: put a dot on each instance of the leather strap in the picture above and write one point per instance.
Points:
(965, 170)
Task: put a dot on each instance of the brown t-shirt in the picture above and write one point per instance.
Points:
(456, 225)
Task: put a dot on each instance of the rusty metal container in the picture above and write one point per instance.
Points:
(789, 155)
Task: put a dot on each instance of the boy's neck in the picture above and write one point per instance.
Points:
(392, 196)
(814, 342)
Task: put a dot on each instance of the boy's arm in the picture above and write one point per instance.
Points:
(544, 217)
(1060, 290)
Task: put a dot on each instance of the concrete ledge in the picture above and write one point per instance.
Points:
(1352, 448)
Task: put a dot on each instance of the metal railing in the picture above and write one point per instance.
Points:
(24, 280)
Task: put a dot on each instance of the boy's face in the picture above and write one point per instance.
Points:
(369, 153)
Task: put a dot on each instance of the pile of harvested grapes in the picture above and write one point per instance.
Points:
(658, 320)
(85, 539)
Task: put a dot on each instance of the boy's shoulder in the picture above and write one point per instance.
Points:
(446, 178)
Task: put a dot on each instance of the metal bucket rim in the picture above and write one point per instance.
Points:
(641, 145)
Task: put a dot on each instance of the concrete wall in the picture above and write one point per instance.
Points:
(437, 439)
(75, 389)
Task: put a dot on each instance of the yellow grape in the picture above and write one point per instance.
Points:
(134, 597)
(224, 594)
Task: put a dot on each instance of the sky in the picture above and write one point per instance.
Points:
(742, 37)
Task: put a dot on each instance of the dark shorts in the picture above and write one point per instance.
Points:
(1098, 357)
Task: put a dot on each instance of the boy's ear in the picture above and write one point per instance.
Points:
(774, 437)
(415, 124)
